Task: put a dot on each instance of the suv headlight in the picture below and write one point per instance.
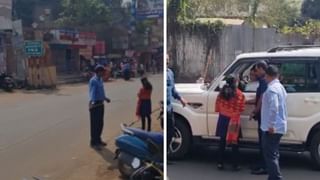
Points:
(135, 163)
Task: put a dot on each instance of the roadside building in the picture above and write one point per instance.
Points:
(66, 47)
(5, 35)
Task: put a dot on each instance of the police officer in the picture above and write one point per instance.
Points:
(96, 107)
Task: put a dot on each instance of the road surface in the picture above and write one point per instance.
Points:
(201, 164)
(45, 134)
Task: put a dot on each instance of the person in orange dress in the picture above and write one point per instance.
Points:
(144, 103)
(229, 104)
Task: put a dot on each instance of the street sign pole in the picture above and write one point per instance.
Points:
(34, 48)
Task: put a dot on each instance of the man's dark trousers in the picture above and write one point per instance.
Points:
(271, 154)
(96, 124)
(170, 128)
(262, 163)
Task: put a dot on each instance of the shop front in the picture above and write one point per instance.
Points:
(66, 48)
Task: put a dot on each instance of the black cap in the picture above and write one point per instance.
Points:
(99, 68)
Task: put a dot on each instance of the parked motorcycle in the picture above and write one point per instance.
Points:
(126, 74)
(6, 82)
(140, 154)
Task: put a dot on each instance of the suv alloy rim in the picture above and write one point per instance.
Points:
(176, 142)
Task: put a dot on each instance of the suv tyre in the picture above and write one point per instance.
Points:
(181, 142)
(315, 150)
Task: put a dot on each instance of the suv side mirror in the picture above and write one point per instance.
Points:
(221, 84)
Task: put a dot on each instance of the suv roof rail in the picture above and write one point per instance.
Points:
(293, 47)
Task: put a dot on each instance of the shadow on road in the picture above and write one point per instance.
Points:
(248, 158)
(41, 91)
(108, 156)
(201, 164)
(51, 91)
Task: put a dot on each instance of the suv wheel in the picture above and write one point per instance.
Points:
(315, 150)
(181, 141)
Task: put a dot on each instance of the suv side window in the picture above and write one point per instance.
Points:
(313, 77)
(293, 76)
(242, 69)
(299, 76)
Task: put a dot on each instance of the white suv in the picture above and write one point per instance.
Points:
(300, 74)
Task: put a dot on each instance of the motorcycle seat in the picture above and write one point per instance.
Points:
(144, 135)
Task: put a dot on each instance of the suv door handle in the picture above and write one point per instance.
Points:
(195, 105)
(312, 100)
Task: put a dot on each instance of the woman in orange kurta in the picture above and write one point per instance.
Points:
(229, 104)
(144, 103)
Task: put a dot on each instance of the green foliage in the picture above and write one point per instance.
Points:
(218, 8)
(24, 9)
(209, 30)
(254, 9)
(275, 13)
(178, 10)
(180, 17)
(142, 26)
(310, 29)
(84, 13)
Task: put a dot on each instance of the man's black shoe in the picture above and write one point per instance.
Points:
(102, 143)
(95, 146)
(220, 166)
(260, 171)
(236, 167)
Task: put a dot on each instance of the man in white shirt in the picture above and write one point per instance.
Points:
(274, 121)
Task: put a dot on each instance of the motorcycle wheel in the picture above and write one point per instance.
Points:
(125, 169)
(149, 174)
(8, 88)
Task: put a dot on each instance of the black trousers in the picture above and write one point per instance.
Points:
(170, 128)
(271, 154)
(222, 149)
(96, 124)
(261, 163)
(143, 121)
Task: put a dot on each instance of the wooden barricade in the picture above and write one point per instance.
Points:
(41, 70)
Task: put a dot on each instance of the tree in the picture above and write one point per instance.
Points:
(218, 8)
(177, 12)
(84, 13)
(311, 9)
(310, 30)
(120, 11)
(254, 9)
(275, 13)
(24, 9)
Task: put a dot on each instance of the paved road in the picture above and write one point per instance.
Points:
(201, 164)
(45, 133)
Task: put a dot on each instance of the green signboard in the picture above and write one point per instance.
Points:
(33, 48)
